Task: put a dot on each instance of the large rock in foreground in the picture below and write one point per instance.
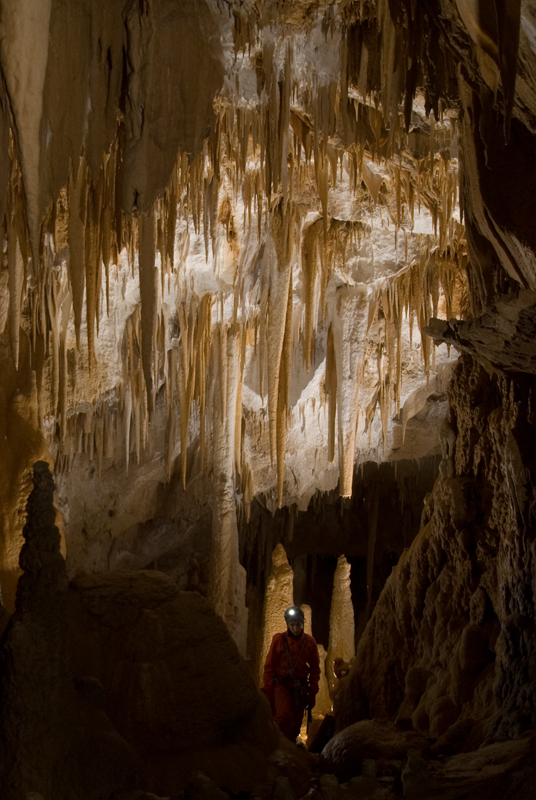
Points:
(177, 688)
(369, 739)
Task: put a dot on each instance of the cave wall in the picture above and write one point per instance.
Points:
(452, 637)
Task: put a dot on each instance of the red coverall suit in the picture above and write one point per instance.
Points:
(289, 663)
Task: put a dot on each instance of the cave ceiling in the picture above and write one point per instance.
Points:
(226, 227)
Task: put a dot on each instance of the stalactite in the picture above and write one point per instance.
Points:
(238, 449)
(93, 269)
(148, 292)
(77, 241)
(64, 304)
(349, 328)
(282, 396)
(185, 385)
(16, 268)
(205, 321)
(331, 390)
(280, 270)
(310, 269)
(171, 415)
(54, 323)
(127, 414)
(107, 226)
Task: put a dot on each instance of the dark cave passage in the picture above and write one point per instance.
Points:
(378, 522)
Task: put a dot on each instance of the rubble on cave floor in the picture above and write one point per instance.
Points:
(502, 769)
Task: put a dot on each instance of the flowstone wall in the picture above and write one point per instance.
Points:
(451, 643)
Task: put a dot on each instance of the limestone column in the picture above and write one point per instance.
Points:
(227, 587)
(278, 597)
(341, 619)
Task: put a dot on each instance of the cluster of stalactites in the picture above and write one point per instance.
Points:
(186, 369)
(265, 155)
(290, 137)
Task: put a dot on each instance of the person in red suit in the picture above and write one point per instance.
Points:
(291, 674)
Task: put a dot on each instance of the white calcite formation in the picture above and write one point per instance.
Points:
(279, 596)
(341, 620)
(243, 310)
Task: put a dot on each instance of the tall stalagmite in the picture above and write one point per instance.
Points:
(341, 618)
(278, 597)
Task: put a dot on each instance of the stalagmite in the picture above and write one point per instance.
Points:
(279, 595)
(341, 619)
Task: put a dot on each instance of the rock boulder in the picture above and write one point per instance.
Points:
(177, 688)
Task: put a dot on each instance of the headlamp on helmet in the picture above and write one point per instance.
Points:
(294, 614)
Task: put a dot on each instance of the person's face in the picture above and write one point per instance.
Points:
(295, 627)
